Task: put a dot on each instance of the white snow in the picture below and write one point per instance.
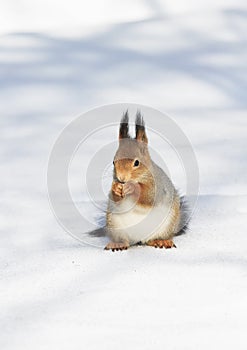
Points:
(59, 59)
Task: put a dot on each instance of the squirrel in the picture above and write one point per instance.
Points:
(143, 205)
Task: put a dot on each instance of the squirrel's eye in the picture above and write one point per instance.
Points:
(113, 163)
(136, 162)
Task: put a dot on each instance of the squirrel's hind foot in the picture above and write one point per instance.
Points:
(117, 246)
(161, 243)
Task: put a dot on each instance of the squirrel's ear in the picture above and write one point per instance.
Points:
(124, 126)
(140, 128)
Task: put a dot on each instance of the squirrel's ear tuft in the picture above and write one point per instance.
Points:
(140, 128)
(124, 126)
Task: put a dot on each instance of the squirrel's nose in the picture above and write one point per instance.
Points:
(120, 180)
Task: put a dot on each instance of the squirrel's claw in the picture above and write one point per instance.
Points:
(117, 188)
(161, 243)
(117, 246)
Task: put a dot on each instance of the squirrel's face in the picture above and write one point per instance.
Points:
(131, 162)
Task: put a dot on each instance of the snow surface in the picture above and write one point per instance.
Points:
(188, 60)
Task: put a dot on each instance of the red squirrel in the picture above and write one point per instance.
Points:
(143, 206)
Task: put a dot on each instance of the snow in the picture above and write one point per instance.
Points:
(57, 61)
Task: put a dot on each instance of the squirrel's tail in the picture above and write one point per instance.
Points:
(184, 217)
(99, 232)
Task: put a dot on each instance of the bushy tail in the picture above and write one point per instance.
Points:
(184, 217)
(99, 232)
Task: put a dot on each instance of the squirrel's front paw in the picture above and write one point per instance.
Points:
(117, 188)
(128, 188)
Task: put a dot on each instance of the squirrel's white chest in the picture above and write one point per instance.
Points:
(137, 224)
